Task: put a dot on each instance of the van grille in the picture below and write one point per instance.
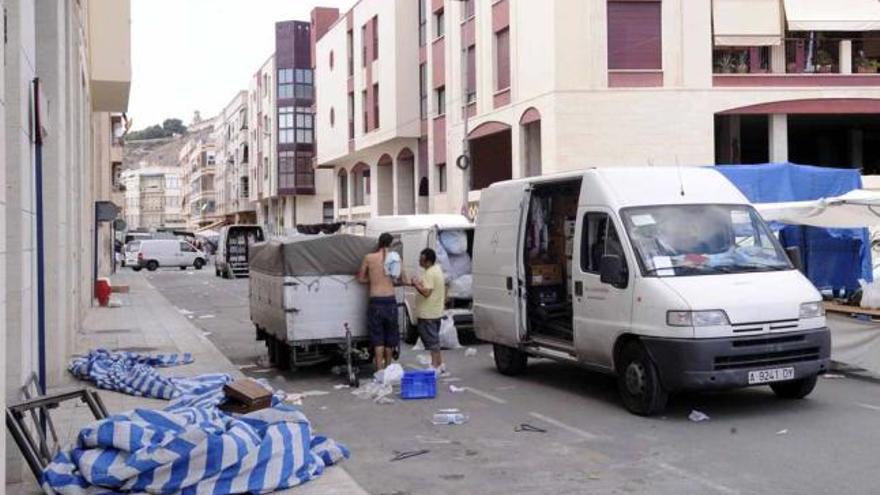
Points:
(766, 359)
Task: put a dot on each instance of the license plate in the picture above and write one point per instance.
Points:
(772, 375)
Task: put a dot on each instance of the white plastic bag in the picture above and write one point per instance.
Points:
(391, 375)
(455, 241)
(443, 260)
(448, 334)
(461, 287)
(392, 265)
(870, 295)
(459, 265)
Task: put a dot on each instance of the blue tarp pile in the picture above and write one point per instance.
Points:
(833, 258)
(189, 447)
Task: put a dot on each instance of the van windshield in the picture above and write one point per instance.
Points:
(685, 240)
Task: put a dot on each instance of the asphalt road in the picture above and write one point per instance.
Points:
(753, 443)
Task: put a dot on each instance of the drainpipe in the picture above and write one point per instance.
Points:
(41, 251)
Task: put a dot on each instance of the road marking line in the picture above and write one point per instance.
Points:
(868, 406)
(571, 429)
(699, 479)
(486, 395)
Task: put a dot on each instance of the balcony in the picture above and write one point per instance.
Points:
(820, 59)
(109, 27)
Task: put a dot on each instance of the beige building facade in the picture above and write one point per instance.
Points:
(66, 70)
(233, 157)
(512, 88)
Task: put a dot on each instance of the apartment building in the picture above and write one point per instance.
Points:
(153, 198)
(198, 163)
(443, 98)
(285, 185)
(232, 181)
(64, 78)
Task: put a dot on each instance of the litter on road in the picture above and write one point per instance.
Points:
(832, 376)
(340, 386)
(698, 416)
(529, 428)
(456, 390)
(470, 351)
(206, 317)
(399, 456)
(449, 417)
(782, 432)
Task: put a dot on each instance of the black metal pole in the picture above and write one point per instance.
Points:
(41, 251)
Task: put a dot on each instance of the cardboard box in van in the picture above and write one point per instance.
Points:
(546, 274)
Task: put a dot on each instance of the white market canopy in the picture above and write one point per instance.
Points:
(833, 15)
(747, 22)
(855, 209)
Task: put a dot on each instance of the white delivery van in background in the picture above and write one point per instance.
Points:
(155, 253)
(412, 234)
(233, 248)
(665, 277)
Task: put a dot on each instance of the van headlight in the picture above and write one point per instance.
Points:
(812, 310)
(713, 318)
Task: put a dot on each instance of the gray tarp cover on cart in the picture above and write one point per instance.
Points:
(337, 254)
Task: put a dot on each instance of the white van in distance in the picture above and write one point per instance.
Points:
(155, 253)
(665, 277)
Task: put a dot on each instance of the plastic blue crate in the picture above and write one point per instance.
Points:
(420, 384)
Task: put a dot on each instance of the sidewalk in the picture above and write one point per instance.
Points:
(148, 323)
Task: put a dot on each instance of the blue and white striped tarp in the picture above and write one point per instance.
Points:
(136, 374)
(191, 447)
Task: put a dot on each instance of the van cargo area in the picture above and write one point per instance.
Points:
(548, 253)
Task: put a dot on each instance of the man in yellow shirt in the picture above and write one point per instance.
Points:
(430, 302)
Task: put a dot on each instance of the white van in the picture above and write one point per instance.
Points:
(667, 278)
(155, 253)
(417, 232)
(231, 259)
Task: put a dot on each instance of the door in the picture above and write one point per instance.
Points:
(498, 271)
(601, 311)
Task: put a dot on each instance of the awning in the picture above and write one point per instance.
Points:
(855, 209)
(747, 22)
(833, 15)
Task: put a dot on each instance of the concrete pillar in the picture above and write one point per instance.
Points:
(778, 139)
(846, 57)
(856, 148)
(777, 58)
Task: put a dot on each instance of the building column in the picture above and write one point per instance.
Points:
(777, 58)
(395, 182)
(856, 148)
(778, 139)
(845, 57)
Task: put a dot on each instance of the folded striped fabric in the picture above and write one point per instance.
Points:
(190, 447)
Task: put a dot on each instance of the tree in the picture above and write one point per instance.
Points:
(174, 126)
(168, 128)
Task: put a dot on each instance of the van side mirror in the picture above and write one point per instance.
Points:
(794, 255)
(611, 271)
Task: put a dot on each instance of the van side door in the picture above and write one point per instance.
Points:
(601, 310)
(498, 267)
(187, 254)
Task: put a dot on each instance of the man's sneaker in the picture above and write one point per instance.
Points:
(441, 371)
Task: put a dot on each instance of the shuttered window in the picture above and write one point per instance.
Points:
(502, 59)
(634, 35)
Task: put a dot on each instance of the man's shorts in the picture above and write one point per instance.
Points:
(429, 332)
(382, 322)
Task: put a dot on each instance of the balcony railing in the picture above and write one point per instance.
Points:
(805, 53)
(748, 60)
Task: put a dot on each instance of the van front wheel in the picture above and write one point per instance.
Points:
(639, 382)
(794, 389)
(508, 360)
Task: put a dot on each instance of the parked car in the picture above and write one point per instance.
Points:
(666, 278)
(413, 233)
(231, 258)
(155, 253)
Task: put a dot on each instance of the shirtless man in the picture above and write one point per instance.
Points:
(382, 310)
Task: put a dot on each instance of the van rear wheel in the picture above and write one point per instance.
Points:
(509, 361)
(639, 382)
(153, 265)
(794, 389)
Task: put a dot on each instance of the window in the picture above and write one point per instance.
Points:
(286, 170)
(366, 117)
(328, 213)
(331, 60)
(423, 91)
(376, 106)
(332, 117)
(285, 125)
(441, 177)
(350, 53)
(304, 79)
(423, 22)
(502, 59)
(470, 91)
(187, 247)
(467, 10)
(375, 37)
(440, 94)
(364, 45)
(285, 84)
(439, 27)
(350, 115)
(305, 125)
(599, 238)
(634, 35)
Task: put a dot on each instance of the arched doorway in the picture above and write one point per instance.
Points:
(385, 185)
(530, 142)
(360, 184)
(491, 157)
(406, 182)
